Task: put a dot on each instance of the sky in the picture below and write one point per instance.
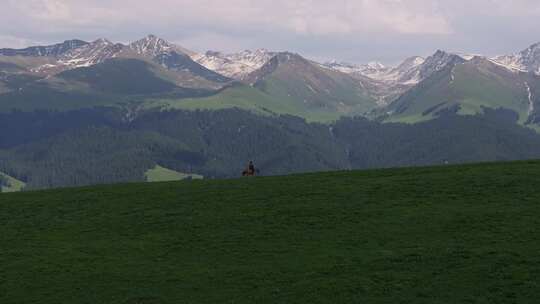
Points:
(356, 31)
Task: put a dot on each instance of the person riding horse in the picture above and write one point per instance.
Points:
(250, 171)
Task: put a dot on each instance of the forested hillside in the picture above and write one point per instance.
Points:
(108, 145)
(81, 113)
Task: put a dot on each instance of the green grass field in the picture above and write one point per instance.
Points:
(456, 234)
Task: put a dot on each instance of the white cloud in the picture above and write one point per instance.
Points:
(7, 41)
(312, 17)
(376, 26)
(60, 14)
(494, 8)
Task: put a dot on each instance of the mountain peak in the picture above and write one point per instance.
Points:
(437, 62)
(534, 46)
(441, 53)
(102, 41)
(530, 57)
(527, 60)
(442, 57)
(153, 46)
(156, 41)
(284, 57)
(410, 64)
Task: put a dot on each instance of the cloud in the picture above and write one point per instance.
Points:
(7, 41)
(385, 28)
(312, 17)
(490, 8)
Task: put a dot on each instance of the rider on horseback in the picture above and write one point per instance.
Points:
(250, 171)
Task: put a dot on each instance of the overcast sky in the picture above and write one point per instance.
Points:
(350, 30)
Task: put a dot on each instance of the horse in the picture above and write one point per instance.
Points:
(248, 172)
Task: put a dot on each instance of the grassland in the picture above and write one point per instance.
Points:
(247, 98)
(244, 97)
(455, 234)
(161, 174)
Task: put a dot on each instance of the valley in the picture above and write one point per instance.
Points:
(81, 113)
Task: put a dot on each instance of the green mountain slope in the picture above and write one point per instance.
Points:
(455, 234)
(244, 97)
(120, 76)
(315, 89)
(467, 88)
(288, 84)
(115, 82)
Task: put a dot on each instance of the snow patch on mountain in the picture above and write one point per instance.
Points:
(527, 60)
(531, 101)
(83, 56)
(78, 54)
(405, 73)
(511, 62)
(374, 70)
(90, 54)
(235, 65)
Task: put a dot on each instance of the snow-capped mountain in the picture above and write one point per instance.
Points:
(342, 66)
(409, 72)
(527, 60)
(388, 83)
(174, 58)
(236, 65)
(215, 69)
(92, 53)
(54, 50)
(85, 55)
(437, 62)
(77, 53)
(307, 85)
(153, 46)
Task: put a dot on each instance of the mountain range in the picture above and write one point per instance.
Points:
(124, 109)
(170, 76)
